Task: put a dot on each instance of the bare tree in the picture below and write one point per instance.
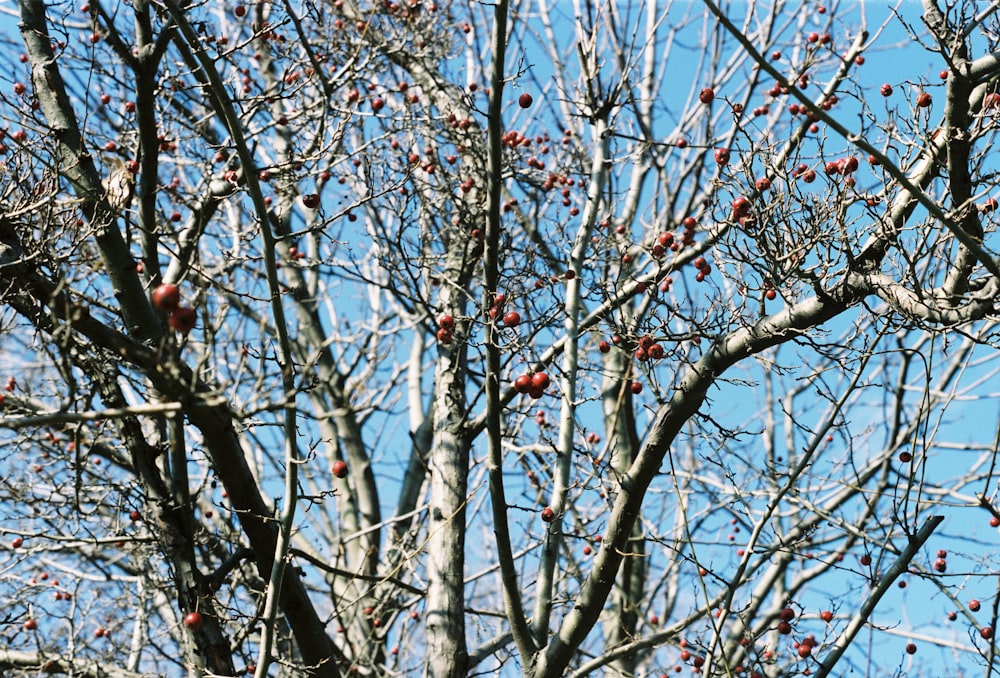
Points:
(406, 337)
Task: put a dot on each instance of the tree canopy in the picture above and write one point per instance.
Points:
(450, 338)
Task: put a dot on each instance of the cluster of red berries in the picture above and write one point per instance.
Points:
(167, 298)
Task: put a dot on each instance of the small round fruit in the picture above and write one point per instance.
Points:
(511, 318)
(548, 515)
(523, 383)
(446, 322)
(866, 559)
(787, 614)
(974, 605)
(540, 380)
(771, 295)
(525, 100)
(636, 387)
(311, 200)
(182, 319)
(444, 336)
(986, 632)
(166, 297)
(339, 469)
(826, 616)
(721, 156)
(31, 625)
(924, 100)
(16, 542)
(886, 90)
(240, 10)
(193, 620)
(911, 648)
(706, 96)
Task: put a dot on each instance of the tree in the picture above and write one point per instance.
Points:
(398, 337)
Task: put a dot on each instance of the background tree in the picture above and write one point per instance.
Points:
(404, 337)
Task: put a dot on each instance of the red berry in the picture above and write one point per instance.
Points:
(444, 336)
(924, 100)
(31, 625)
(540, 380)
(339, 469)
(548, 515)
(974, 605)
(16, 542)
(240, 10)
(134, 516)
(523, 383)
(770, 295)
(763, 184)
(784, 628)
(311, 200)
(446, 322)
(19, 88)
(911, 648)
(826, 616)
(994, 521)
(193, 620)
(604, 347)
(182, 319)
(787, 614)
(706, 96)
(525, 100)
(636, 387)
(986, 632)
(166, 297)
(866, 559)
(886, 90)
(721, 156)
(378, 103)
(512, 319)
